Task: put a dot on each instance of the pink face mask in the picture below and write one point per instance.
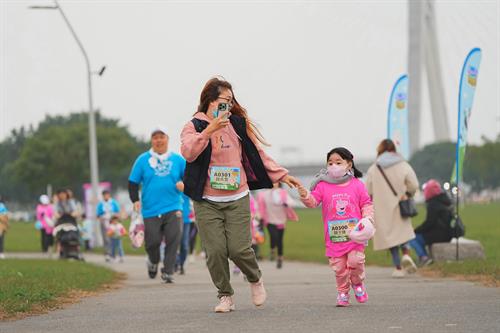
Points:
(336, 170)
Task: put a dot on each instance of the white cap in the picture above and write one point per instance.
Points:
(44, 199)
(158, 129)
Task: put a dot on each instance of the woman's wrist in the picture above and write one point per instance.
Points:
(207, 132)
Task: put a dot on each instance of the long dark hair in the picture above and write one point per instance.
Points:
(212, 90)
(347, 156)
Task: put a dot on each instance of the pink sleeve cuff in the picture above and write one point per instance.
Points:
(368, 212)
(309, 201)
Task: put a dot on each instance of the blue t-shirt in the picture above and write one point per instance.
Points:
(108, 207)
(3, 209)
(158, 178)
(186, 208)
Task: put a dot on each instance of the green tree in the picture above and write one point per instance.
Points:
(10, 149)
(482, 165)
(57, 153)
(434, 161)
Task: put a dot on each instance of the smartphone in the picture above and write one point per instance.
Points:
(224, 109)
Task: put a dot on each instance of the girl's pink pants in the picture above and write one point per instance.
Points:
(349, 269)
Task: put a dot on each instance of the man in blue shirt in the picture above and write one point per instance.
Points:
(160, 172)
(105, 210)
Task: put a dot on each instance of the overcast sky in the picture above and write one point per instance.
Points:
(313, 75)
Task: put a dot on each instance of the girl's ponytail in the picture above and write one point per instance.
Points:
(357, 173)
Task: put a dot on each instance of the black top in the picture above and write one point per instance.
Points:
(436, 227)
(196, 173)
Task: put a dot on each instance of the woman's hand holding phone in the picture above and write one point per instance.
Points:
(218, 123)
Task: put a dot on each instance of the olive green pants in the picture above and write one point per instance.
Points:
(224, 229)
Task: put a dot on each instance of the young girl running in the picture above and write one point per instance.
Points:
(348, 221)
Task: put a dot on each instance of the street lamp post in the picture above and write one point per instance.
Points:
(94, 165)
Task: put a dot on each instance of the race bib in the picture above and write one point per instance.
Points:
(225, 178)
(339, 230)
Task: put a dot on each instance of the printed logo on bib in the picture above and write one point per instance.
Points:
(338, 230)
(225, 178)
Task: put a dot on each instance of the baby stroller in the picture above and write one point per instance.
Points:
(67, 237)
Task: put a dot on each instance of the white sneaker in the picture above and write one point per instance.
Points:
(2, 255)
(398, 274)
(225, 305)
(408, 264)
(258, 292)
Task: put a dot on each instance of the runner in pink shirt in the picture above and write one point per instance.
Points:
(348, 221)
(45, 214)
(225, 160)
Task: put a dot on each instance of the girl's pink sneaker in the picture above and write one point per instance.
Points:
(360, 293)
(342, 300)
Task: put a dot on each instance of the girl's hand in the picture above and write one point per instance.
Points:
(291, 181)
(302, 191)
(217, 123)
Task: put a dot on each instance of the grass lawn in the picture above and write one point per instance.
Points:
(304, 241)
(23, 237)
(37, 285)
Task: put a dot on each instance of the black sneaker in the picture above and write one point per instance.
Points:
(279, 263)
(152, 269)
(167, 278)
(181, 271)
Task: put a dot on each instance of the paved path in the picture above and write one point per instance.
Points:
(301, 298)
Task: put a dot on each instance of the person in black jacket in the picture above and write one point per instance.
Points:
(436, 227)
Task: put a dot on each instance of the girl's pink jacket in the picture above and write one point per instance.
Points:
(44, 212)
(340, 202)
(277, 214)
